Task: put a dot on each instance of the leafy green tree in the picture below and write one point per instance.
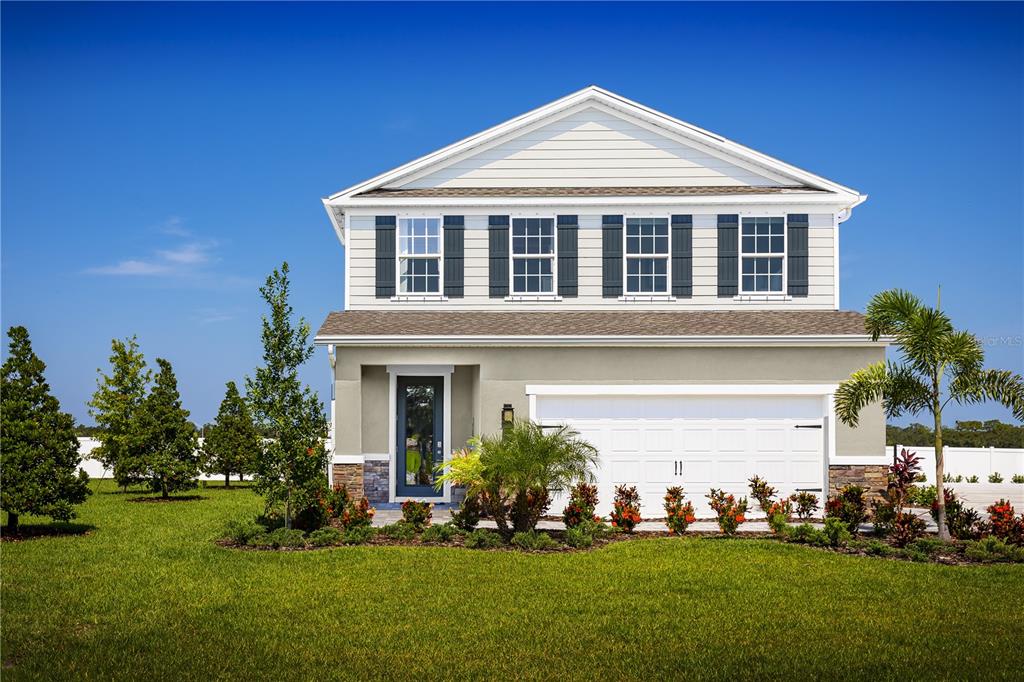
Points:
(39, 458)
(938, 364)
(232, 441)
(291, 466)
(167, 444)
(115, 406)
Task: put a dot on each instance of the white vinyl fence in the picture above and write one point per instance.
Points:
(966, 462)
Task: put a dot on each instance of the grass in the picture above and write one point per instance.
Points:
(147, 594)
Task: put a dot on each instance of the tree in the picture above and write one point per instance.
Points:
(166, 448)
(39, 458)
(115, 406)
(291, 466)
(938, 364)
(232, 441)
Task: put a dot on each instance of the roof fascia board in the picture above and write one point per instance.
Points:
(339, 230)
(776, 201)
(593, 93)
(412, 340)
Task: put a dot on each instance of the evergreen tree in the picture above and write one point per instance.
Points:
(166, 449)
(291, 467)
(115, 407)
(39, 455)
(232, 442)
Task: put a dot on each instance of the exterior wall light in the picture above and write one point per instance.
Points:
(508, 415)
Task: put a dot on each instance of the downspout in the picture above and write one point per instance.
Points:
(333, 359)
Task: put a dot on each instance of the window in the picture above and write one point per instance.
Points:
(762, 250)
(647, 255)
(533, 255)
(419, 255)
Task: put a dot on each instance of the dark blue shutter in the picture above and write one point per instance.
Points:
(497, 237)
(728, 255)
(454, 232)
(796, 254)
(385, 255)
(568, 255)
(682, 256)
(611, 256)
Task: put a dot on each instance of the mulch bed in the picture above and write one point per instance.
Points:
(179, 498)
(55, 530)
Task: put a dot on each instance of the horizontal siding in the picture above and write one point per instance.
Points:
(591, 147)
(705, 277)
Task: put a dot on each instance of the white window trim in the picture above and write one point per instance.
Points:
(514, 295)
(412, 295)
(642, 296)
(782, 294)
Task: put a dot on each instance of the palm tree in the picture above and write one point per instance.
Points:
(938, 364)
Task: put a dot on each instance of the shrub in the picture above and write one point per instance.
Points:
(626, 509)
(836, 533)
(468, 514)
(995, 477)
(357, 514)
(762, 492)
(440, 533)
(313, 514)
(401, 530)
(962, 521)
(848, 506)
(325, 537)
(805, 533)
(906, 527)
(582, 502)
(922, 496)
(927, 545)
(972, 479)
(959, 478)
(283, 537)
(242, 531)
(1005, 525)
(993, 549)
(882, 516)
(533, 541)
(778, 515)
(878, 548)
(578, 537)
(417, 514)
(731, 513)
(678, 514)
(481, 538)
(337, 501)
(357, 535)
(806, 503)
(1017, 478)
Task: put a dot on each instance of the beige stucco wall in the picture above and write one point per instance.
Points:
(486, 378)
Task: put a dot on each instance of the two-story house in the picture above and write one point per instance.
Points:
(671, 294)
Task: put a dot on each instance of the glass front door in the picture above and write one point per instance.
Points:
(420, 435)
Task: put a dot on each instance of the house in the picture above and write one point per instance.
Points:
(671, 294)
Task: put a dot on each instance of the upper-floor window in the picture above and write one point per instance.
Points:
(647, 255)
(419, 255)
(533, 255)
(762, 251)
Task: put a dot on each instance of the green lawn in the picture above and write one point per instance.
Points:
(148, 595)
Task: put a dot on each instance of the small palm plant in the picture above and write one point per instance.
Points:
(513, 473)
(938, 364)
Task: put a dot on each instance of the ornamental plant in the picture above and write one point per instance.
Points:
(889, 514)
(1005, 525)
(806, 504)
(778, 515)
(678, 514)
(731, 512)
(848, 506)
(337, 501)
(417, 514)
(626, 508)
(963, 522)
(762, 492)
(358, 514)
(582, 502)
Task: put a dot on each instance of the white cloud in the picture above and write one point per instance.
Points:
(130, 267)
(188, 258)
(195, 253)
(174, 226)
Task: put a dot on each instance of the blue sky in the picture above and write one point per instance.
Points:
(159, 160)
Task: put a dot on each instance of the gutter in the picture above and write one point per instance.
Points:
(834, 340)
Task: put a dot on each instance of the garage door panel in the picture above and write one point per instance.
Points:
(771, 469)
(769, 440)
(626, 471)
(660, 471)
(659, 440)
(806, 473)
(698, 471)
(805, 440)
(731, 439)
(698, 439)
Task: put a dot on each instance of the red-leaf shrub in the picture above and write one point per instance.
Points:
(357, 514)
(582, 502)
(778, 515)
(806, 503)
(678, 514)
(417, 514)
(848, 506)
(626, 511)
(762, 492)
(731, 513)
(1005, 525)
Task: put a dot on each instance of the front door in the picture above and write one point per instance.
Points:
(420, 435)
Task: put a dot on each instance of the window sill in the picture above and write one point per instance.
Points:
(762, 297)
(529, 297)
(428, 297)
(640, 298)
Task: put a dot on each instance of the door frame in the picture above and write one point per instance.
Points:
(395, 371)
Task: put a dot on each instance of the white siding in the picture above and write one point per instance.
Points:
(591, 148)
(821, 263)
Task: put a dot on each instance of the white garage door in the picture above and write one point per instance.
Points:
(698, 442)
